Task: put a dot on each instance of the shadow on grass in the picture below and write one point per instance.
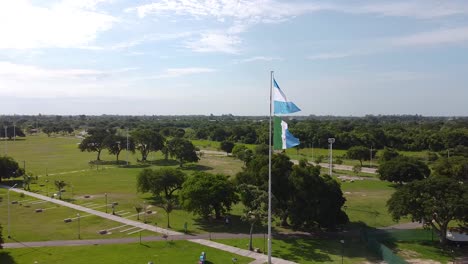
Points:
(393, 238)
(163, 162)
(196, 167)
(136, 166)
(5, 258)
(235, 226)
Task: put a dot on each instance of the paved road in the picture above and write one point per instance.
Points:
(335, 166)
(257, 256)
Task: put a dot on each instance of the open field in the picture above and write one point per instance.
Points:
(157, 252)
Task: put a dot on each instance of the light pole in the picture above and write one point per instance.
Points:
(9, 208)
(126, 153)
(78, 215)
(6, 138)
(106, 201)
(330, 163)
(342, 250)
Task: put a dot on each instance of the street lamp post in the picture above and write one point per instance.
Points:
(9, 208)
(330, 163)
(78, 215)
(342, 250)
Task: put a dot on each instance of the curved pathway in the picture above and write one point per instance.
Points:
(259, 258)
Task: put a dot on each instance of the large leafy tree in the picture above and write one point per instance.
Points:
(316, 200)
(436, 201)
(403, 169)
(9, 168)
(255, 211)
(182, 149)
(11, 131)
(453, 167)
(204, 193)
(95, 140)
(147, 140)
(227, 146)
(163, 182)
(359, 153)
(243, 153)
(116, 143)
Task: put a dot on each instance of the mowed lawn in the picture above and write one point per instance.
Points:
(157, 252)
(308, 250)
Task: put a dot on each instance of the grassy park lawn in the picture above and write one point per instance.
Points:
(366, 202)
(157, 252)
(61, 155)
(27, 225)
(308, 250)
(418, 244)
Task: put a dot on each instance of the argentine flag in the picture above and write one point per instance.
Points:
(281, 103)
(282, 139)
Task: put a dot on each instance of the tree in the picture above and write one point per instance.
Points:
(94, 142)
(315, 200)
(183, 150)
(60, 185)
(168, 205)
(26, 182)
(204, 193)
(403, 169)
(115, 144)
(11, 131)
(1, 237)
(388, 154)
(454, 167)
(166, 181)
(9, 168)
(147, 140)
(227, 146)
(255, 201)
(242, 153)
(138, 209)
(357, 169)
(358, 153)
(435, 201)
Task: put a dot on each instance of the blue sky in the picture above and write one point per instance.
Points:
(215, 56)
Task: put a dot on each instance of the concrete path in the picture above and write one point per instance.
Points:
(325, 165)
(127, 240)
(242, 252)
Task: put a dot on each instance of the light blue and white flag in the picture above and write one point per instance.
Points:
(280, 102)
(282, 138)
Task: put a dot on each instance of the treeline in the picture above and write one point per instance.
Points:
(411, 133)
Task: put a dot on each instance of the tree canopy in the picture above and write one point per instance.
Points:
(163, 181)
(94, 141)
(436, 201)
(358, 153)
(147, 140)
(116, 143)
(227, 146)
(182, 149)
(9, 168)
(403, 169)
(204, 193)
(453, 167)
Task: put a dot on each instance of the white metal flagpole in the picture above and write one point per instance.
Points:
(269, 176)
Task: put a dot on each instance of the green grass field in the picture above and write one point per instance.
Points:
(157, 252)
(307, 250)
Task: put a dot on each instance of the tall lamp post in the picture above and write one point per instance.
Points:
(330, 163)
(342, 250)
(9, 208)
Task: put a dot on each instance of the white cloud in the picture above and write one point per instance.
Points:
(422, 9)
(260, 58)
(66, 24)
(438, 37)
(178, 72)
(331, 55)
(215, 42)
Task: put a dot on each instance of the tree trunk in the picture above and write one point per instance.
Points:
(217, 213)
(250, 236)
(284, 220)
(168, 225)
(360, 162)
(99, 155)
(117, 155)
